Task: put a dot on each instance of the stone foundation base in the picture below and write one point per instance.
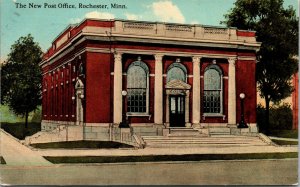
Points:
(110, 132)
(252, 130)
(49, 125)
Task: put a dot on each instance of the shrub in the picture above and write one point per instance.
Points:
(281, 117)
(260, 117)
(37, 116)
(19, 131)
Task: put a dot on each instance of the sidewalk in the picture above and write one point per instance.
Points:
(16, 154)
(166, 151)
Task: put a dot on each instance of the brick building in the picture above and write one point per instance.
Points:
(175, 75)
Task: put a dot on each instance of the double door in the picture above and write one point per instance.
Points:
(177, 110)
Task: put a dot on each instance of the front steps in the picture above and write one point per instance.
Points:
(217, 131)
(183, 131)
(198, 141)
(204, 132)
(213, 135)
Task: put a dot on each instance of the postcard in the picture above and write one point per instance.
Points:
(149, 92)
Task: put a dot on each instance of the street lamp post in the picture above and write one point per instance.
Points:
(124, 123)
(242, 123)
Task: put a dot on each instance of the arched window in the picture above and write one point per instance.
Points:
(137, 87)
(176, 71)
(213, 90)
(81, 69)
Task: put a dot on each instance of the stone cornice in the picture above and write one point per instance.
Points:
(146, 52)
(157, 40)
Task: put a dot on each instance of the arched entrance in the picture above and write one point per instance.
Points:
(177, 104)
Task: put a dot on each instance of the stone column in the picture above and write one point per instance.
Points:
(79, 108)
(167, 109)
(158, 90)
(196, 90)
(231, 92)
(187, 109)
(117, 88)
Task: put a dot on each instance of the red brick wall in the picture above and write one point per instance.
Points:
(98, 91)
(245, 33)
(245, 75)
(57, 99)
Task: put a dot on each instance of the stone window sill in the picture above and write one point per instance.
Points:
(138, 115)
(212, 115)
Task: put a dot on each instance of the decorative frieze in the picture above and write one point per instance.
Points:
(138, 25)
(208, 30)
(175, 92)
(179, 28)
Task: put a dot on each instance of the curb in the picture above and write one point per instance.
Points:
(266, 139)
(285, 139)
(171, 162)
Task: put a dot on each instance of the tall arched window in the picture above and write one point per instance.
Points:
(176, 71)
(137, 87)
(213, 90)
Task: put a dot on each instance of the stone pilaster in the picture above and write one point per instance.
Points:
(117, 88)
(196, 90)
(231, 92)
(158, 90)
(187, 109)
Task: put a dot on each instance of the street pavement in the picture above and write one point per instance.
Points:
(250, 172)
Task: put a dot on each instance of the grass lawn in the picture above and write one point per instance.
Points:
(284, 133)
(2, 161)
(19, 131)
(81, 144)
(284, 142)
(157, 158)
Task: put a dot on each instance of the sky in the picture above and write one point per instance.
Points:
(45, 23)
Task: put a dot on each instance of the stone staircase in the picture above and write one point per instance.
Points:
(183, 131)
(217, 131)
(200, 141)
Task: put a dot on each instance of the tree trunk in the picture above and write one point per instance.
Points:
(267, 120)
(26, 119)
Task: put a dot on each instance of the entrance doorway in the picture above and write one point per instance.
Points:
(177, 110)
